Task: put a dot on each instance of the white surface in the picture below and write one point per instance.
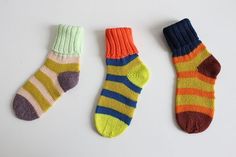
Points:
(27, 32)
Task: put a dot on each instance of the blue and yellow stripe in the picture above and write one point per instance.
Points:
(119, 96)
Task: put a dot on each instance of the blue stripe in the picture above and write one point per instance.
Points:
(122, 61)
(103, 110)
(124, 80)
(118, 97)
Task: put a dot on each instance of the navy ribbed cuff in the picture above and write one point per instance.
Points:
(181, 37)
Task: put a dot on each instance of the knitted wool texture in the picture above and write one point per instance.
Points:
(126, 76)
(196, 70)
(59, 73)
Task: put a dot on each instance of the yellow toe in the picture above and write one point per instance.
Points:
(109, 126)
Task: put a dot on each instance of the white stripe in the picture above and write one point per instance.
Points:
(53, 77)
(63, 59)
(42, 89)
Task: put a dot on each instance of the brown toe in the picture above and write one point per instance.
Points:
(23, 109)
(193, 122)
(68, 80)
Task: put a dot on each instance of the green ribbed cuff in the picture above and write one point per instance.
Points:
(69, 40)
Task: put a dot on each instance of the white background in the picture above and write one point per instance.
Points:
(27, 31)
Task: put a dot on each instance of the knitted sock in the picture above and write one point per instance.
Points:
(59, 73)
(126, 75)
(196, 74)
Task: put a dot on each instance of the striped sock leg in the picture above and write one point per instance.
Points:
(126, 75)
(59, 73)
(196, 71)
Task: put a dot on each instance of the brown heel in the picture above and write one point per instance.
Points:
(209, 67)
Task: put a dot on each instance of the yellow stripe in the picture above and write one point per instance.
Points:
(59, 68)
(48, 84)
(121, 89)
(194, 83)
(123, 70)
(193, 99)
(43, 103)
(116, 105)
(194, 63)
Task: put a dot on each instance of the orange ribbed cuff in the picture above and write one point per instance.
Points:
(119, 43)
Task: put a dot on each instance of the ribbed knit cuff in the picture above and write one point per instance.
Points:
(181, 37)
(69, 40)
(119, 43)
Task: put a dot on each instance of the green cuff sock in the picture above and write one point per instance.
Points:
(69, 40)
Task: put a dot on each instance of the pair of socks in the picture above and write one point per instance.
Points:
(196, 71)
(126, 75)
